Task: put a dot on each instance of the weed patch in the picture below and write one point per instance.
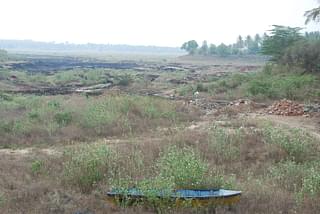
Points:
(299, 146)
(225, 143)
(87, 165)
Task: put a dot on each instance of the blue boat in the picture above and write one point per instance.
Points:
(197, 198)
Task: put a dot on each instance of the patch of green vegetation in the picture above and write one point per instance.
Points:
(125, 80)
(183, 166)
(37, 166)
(176, 168)
(63, 118)
(86, 165)
(302, 179)
(120, 109)
(225, 144)
(276, 85)
(187, 170)
(191, 89)
(31, 116)
(2, 199)
(34, 113)
(5, 97)
(299, 146)
(272, 83)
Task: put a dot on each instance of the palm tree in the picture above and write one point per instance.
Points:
(313, 15)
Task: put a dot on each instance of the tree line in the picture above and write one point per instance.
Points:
(280, 40)
(289, 47)
(243, 46)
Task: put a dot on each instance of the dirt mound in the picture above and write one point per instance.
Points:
(286, 108)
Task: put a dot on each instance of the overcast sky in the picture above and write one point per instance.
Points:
(146, 22)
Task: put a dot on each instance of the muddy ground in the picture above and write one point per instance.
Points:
(176, 72)
(51, 64)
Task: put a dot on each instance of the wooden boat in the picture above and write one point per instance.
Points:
(197, 198)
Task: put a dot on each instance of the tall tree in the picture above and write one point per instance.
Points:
(223, 50)
(204, 49)
(313, 15)
(190, 46)
(257, 39)
(281, 38)
(248, 41)
(240, 43)
(212, 49)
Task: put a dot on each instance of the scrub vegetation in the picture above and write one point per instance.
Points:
(70, 134)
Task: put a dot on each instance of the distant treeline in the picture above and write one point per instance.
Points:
(29, 45)
(243, 46)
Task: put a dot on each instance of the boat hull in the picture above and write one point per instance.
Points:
(217, 198)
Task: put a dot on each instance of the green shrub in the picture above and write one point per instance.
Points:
(274, 82)
(200, 87)
(63, 118)
(304, 54)
(225, 144)
(288, 175)
(125, 109)
(86, 165)
(34, 115)
(299, 146)
(271, 85)
(5, 97)
(7, 126)
(183, 166)
(185, 90)
(54, 104)
(36, 166)
(125, 80)
(302, 179)
(311, 182)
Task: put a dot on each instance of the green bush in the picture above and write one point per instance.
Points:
(299, 146)
(7, 126)
(124, 109)
(63, 118)
(288, 175)
(304, 54)
(36, 166)
(225, 145)
(34, 115)
(274, 82)
(54, 104)
(125, 80)
(5, 97)
(86, 165)
(200, 87)
(183, 166)
(271, 85)
(311, 182)
(302, 179)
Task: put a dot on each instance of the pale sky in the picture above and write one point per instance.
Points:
(147, 22)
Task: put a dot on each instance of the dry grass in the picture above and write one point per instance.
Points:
(247, 158)
(42, 120)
